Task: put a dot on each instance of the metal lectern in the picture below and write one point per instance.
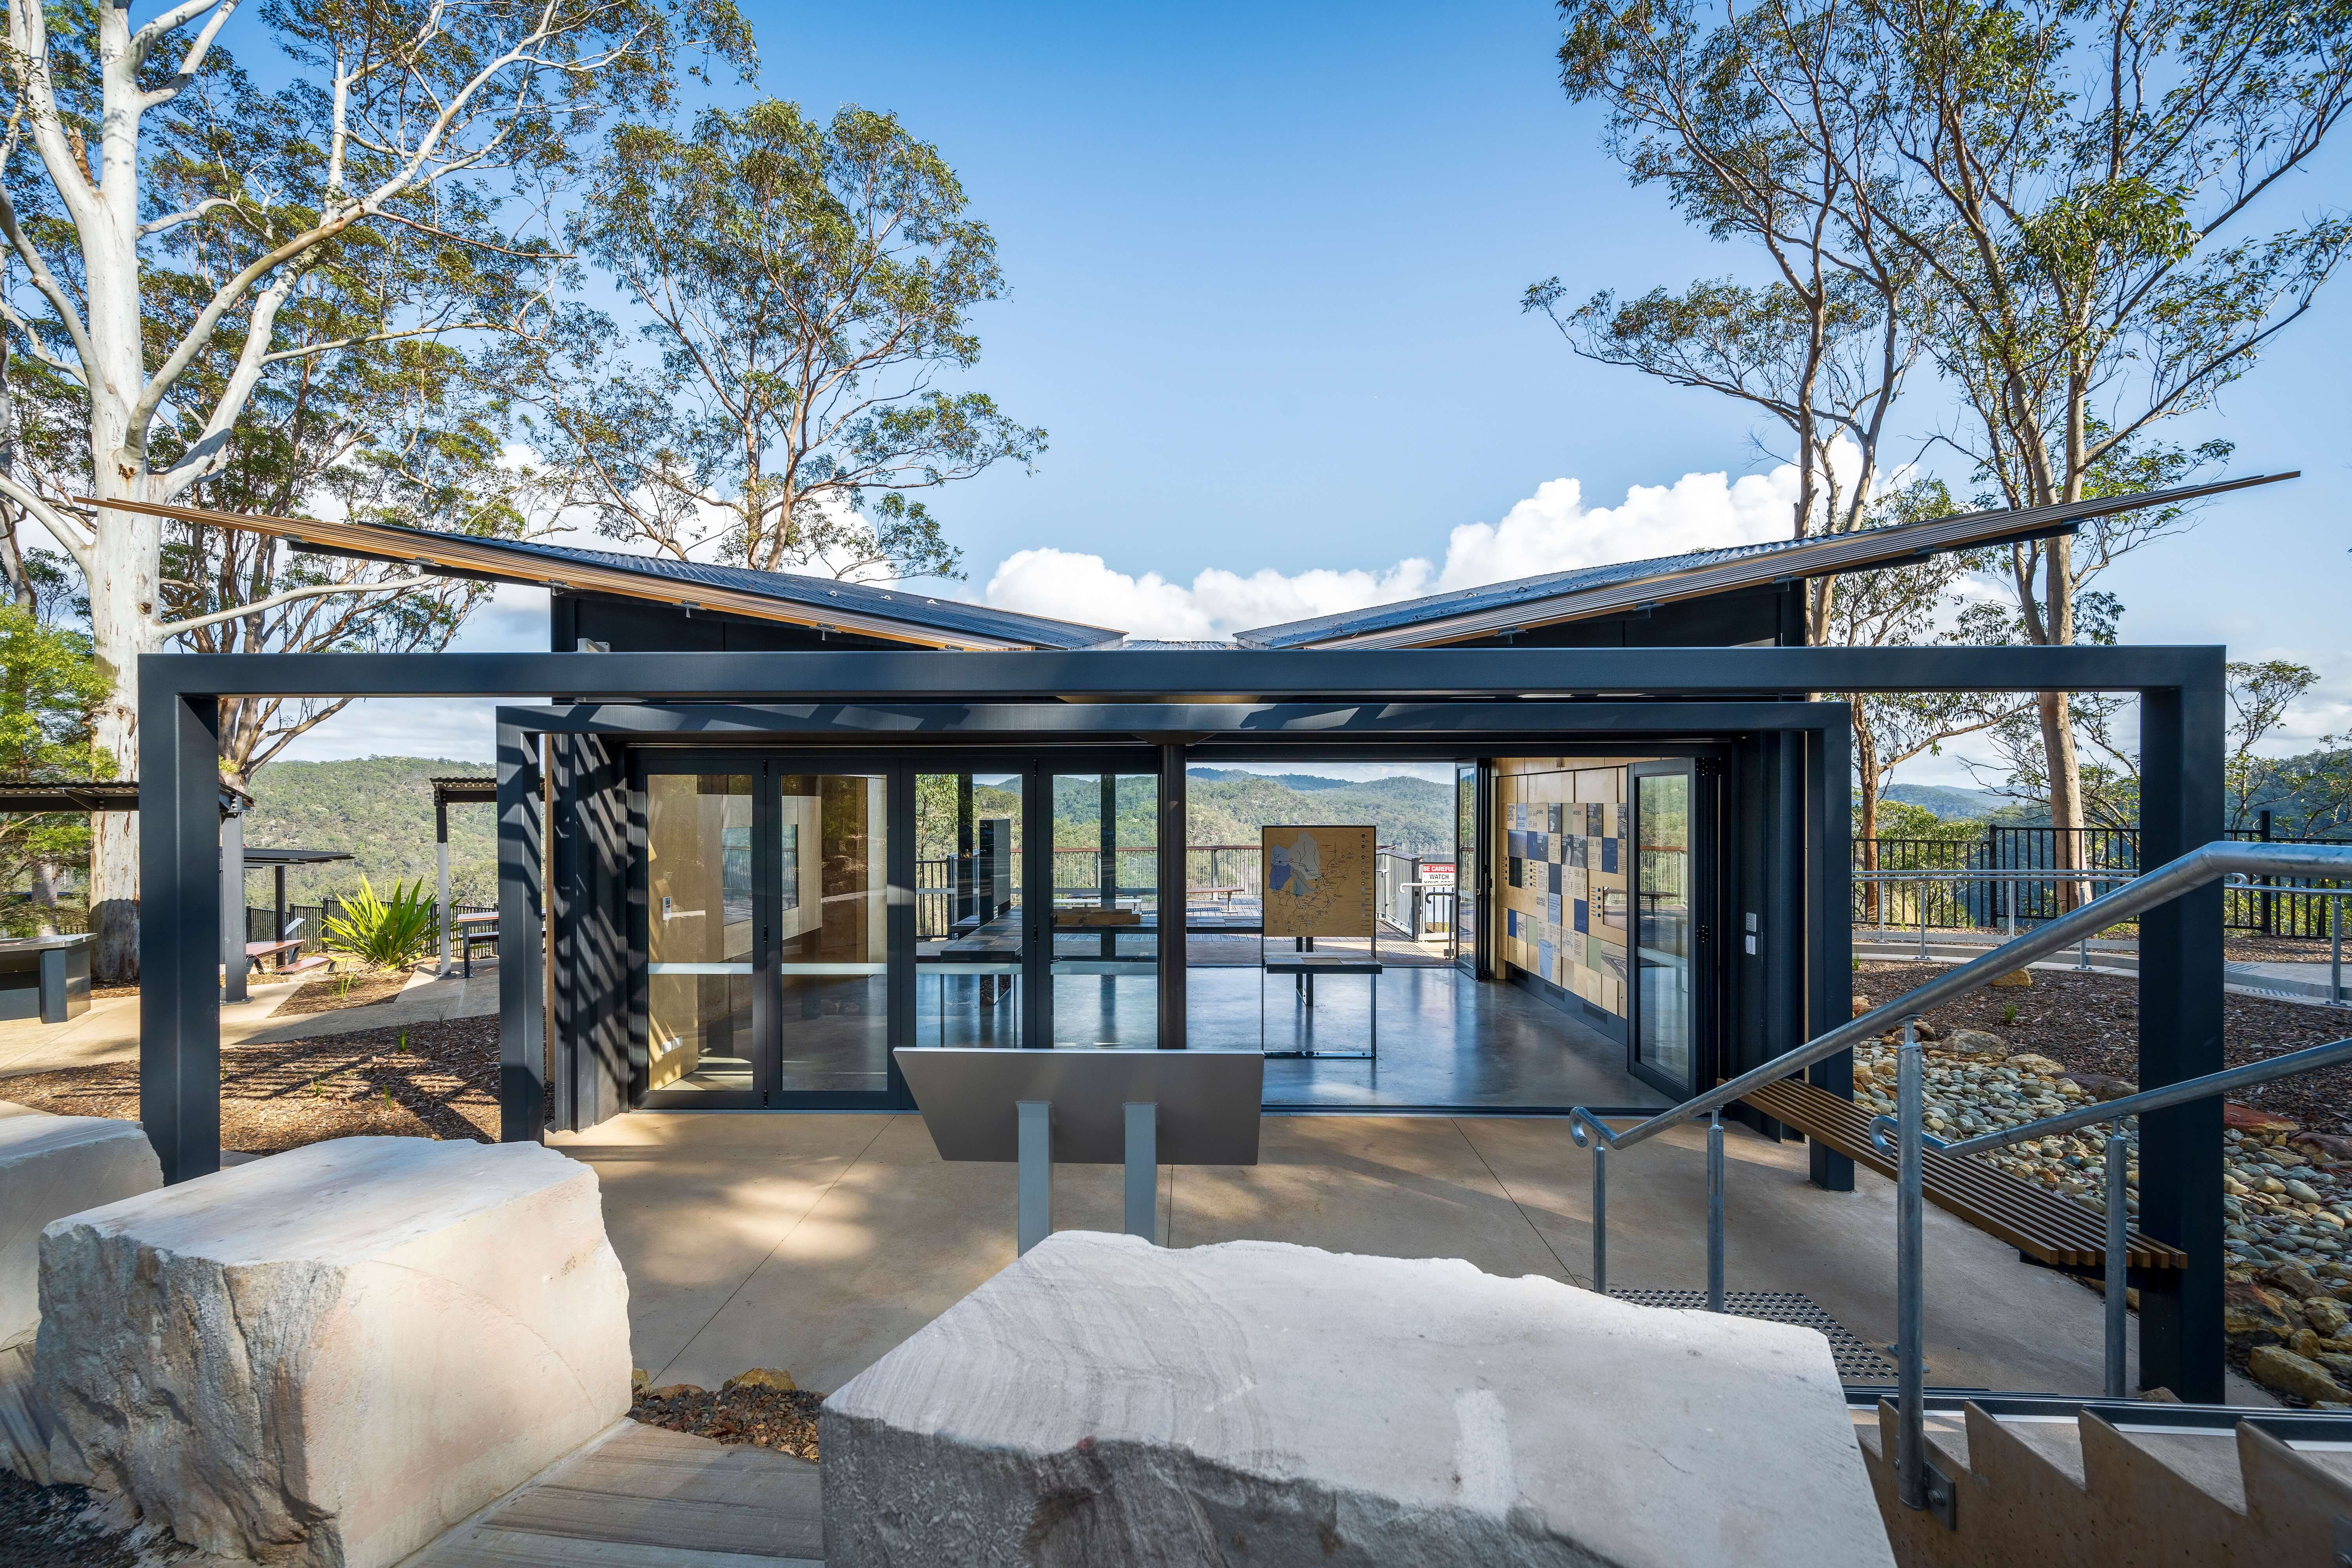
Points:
(1143, 1109)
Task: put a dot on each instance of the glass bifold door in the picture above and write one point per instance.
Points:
(767, 934)
(797, 918)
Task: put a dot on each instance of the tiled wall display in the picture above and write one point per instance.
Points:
(1560, 840)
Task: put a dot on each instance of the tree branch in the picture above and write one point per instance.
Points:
(319, 591)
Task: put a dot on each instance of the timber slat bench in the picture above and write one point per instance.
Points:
(2046, 1227)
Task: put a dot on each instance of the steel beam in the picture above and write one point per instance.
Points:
(1389, 675)
(179, 927)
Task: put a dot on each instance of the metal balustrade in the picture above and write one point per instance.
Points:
(1918, 1484)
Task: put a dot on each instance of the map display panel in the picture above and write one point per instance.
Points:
(1318, 880)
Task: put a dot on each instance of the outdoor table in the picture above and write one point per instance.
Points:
(256, 952)
(45, 977)
(471, 928)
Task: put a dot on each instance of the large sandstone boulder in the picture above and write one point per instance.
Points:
(1105, 1400)
(329, 1356)
(49, 1166)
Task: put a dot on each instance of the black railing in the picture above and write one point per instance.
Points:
(2284, 907)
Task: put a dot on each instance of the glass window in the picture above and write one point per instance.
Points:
(832, 931)
(698, 941)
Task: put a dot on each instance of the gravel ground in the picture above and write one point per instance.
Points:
(782, 1419)
(434, 1079)
(2091, 1022)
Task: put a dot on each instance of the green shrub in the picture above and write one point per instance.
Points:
(381, 933)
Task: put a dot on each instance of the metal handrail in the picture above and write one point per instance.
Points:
(1918, 1484)
(2309, 1059)
(2166, 882)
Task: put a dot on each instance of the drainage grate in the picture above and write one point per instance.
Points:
(1857, 1361)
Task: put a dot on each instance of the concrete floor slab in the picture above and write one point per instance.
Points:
(1390, 1186)
(816, 1243)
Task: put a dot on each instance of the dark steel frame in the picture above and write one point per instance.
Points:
(1321, 699)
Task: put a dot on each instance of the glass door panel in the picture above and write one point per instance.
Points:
(1467, 866)
(1665, 896)
(968, 909)
(1104, 951)
(831, 878)
(700, 960)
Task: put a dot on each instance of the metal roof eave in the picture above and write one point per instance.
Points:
(1824, 556)
(470, 557)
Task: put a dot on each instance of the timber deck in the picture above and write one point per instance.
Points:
(640, 1497)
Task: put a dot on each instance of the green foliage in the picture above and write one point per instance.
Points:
(808, 285)
(383, 932)
(1226, 807)
(48, 687)
(381, 810)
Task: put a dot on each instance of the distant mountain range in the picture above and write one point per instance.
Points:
(1952, 804)
(379, 810)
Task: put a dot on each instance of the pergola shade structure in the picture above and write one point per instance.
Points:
(574, 889)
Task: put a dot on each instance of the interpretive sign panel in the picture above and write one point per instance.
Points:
(1319, 880)
(1208, 1100)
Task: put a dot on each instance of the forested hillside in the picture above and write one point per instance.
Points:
(380, 810)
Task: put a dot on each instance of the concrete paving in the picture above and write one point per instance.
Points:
(109, 1031)
(818, 1242)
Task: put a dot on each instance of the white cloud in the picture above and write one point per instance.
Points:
(1551, 530)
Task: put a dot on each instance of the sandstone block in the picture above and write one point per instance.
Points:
(331, 1355)
(2283, 1371)
(2016, 979)
(1103, 1400)
(51, 1166)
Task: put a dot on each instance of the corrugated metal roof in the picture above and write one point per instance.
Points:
(886, 612)
(1590, 591)
(887, 602)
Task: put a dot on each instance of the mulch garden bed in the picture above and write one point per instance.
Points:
(329, 994)
(2274, 949)
(782, 1419)
(57, 1527)
(431, 1079)
(2091, 1022)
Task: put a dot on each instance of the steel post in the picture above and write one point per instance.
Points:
(1600, 1218)
(1910, 1314)
(2118, 1232)
(1033, 1181)
(1142, 1129)
(1714, 1213)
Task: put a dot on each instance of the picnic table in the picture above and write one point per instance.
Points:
(259, 953)
(471, 928)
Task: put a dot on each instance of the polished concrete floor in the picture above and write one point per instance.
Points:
(1446, 1042)
(815, 1242)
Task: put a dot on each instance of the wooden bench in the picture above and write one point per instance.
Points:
(2046, 1227)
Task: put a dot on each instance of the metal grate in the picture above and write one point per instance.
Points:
(1856, 1361)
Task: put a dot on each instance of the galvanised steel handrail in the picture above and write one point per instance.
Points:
(2160, 886)
(1885, 1135)
(1918, 1484)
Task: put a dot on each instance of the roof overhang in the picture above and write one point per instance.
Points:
(1827, 555)
(455, 554)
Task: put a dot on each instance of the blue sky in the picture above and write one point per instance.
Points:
(1266, 265)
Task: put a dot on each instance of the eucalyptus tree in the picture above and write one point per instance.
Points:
(1742, 120)
(133, 156)
(2097, 194)
(806, 290)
